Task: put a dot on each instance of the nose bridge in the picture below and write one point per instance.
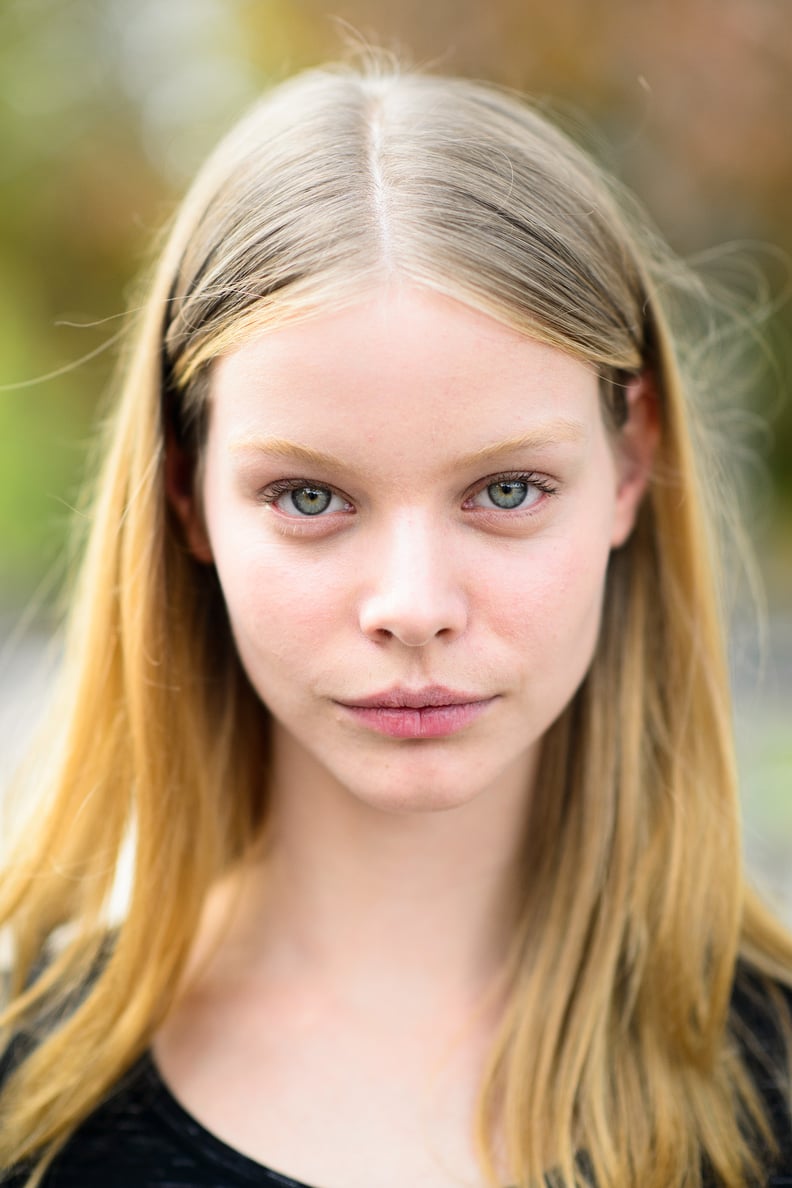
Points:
(412, 590)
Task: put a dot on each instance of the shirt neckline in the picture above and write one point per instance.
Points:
(189, 1130)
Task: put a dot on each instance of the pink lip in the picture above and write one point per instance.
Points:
(430, 695)
(422, 713)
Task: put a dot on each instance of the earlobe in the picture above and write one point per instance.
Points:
(180, 489)
(635, 454)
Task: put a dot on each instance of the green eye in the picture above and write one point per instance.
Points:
(513, 492)
(310, 501)
(300, 499)
(508, 493)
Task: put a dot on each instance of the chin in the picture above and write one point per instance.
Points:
(404, 791)
(402, 778)
(415, 800)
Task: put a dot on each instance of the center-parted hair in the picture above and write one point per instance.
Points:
(632, 909)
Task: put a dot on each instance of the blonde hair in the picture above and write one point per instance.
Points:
(617, 1039)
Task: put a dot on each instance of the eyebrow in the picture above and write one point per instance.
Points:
(557, 432)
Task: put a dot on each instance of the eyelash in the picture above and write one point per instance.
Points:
(531, 479)
(270, 494)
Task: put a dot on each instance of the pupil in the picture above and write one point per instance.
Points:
(310, 500)
(509, 494)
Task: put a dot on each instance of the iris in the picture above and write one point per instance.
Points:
(311, 500)
(508, 493)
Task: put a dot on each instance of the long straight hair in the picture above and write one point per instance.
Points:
(617, 1039)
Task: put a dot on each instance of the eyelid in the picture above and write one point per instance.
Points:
(271, 493)
(542, 482)
(532, 478)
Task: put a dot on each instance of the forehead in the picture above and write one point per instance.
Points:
(407, 367)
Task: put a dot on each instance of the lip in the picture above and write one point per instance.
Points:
(401, 698)
(432, 712)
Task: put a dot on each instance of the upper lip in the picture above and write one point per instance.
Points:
(399, 698)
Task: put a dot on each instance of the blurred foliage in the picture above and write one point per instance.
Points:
(107, 107)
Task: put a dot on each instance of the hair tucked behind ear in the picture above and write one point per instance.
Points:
(617, 1040)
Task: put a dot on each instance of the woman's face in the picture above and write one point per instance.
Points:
(408, 502)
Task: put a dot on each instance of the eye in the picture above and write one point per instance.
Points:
(509, 492)
(299, 498)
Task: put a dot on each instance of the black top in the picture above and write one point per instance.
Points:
(141, 1137)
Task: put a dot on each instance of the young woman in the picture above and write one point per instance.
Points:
(395, 671)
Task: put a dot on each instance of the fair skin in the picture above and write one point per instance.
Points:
(465, 507)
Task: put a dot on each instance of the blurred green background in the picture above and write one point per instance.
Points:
(108, 106)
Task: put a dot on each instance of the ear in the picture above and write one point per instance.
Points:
(635, 449)
(181, 491)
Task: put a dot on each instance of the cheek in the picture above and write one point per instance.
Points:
(551, 594)
(551, 629)
(281, 606)
(550, 589)
(270, 585)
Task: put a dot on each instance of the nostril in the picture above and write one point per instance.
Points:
(414, 594)
(410, 631)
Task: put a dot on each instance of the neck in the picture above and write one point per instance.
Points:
(377, 907)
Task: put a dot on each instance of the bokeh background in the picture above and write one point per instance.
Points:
(108, 106)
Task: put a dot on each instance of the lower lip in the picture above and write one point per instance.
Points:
(433, 721)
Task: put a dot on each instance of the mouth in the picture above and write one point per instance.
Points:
(429, 697)
(431, 712)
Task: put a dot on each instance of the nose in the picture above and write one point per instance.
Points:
(412, 595)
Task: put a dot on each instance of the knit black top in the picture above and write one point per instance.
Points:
(141, 1137)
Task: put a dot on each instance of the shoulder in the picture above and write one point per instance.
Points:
(16, 1044)
(761, 1017)
(761, 1024)
(61, 1000)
